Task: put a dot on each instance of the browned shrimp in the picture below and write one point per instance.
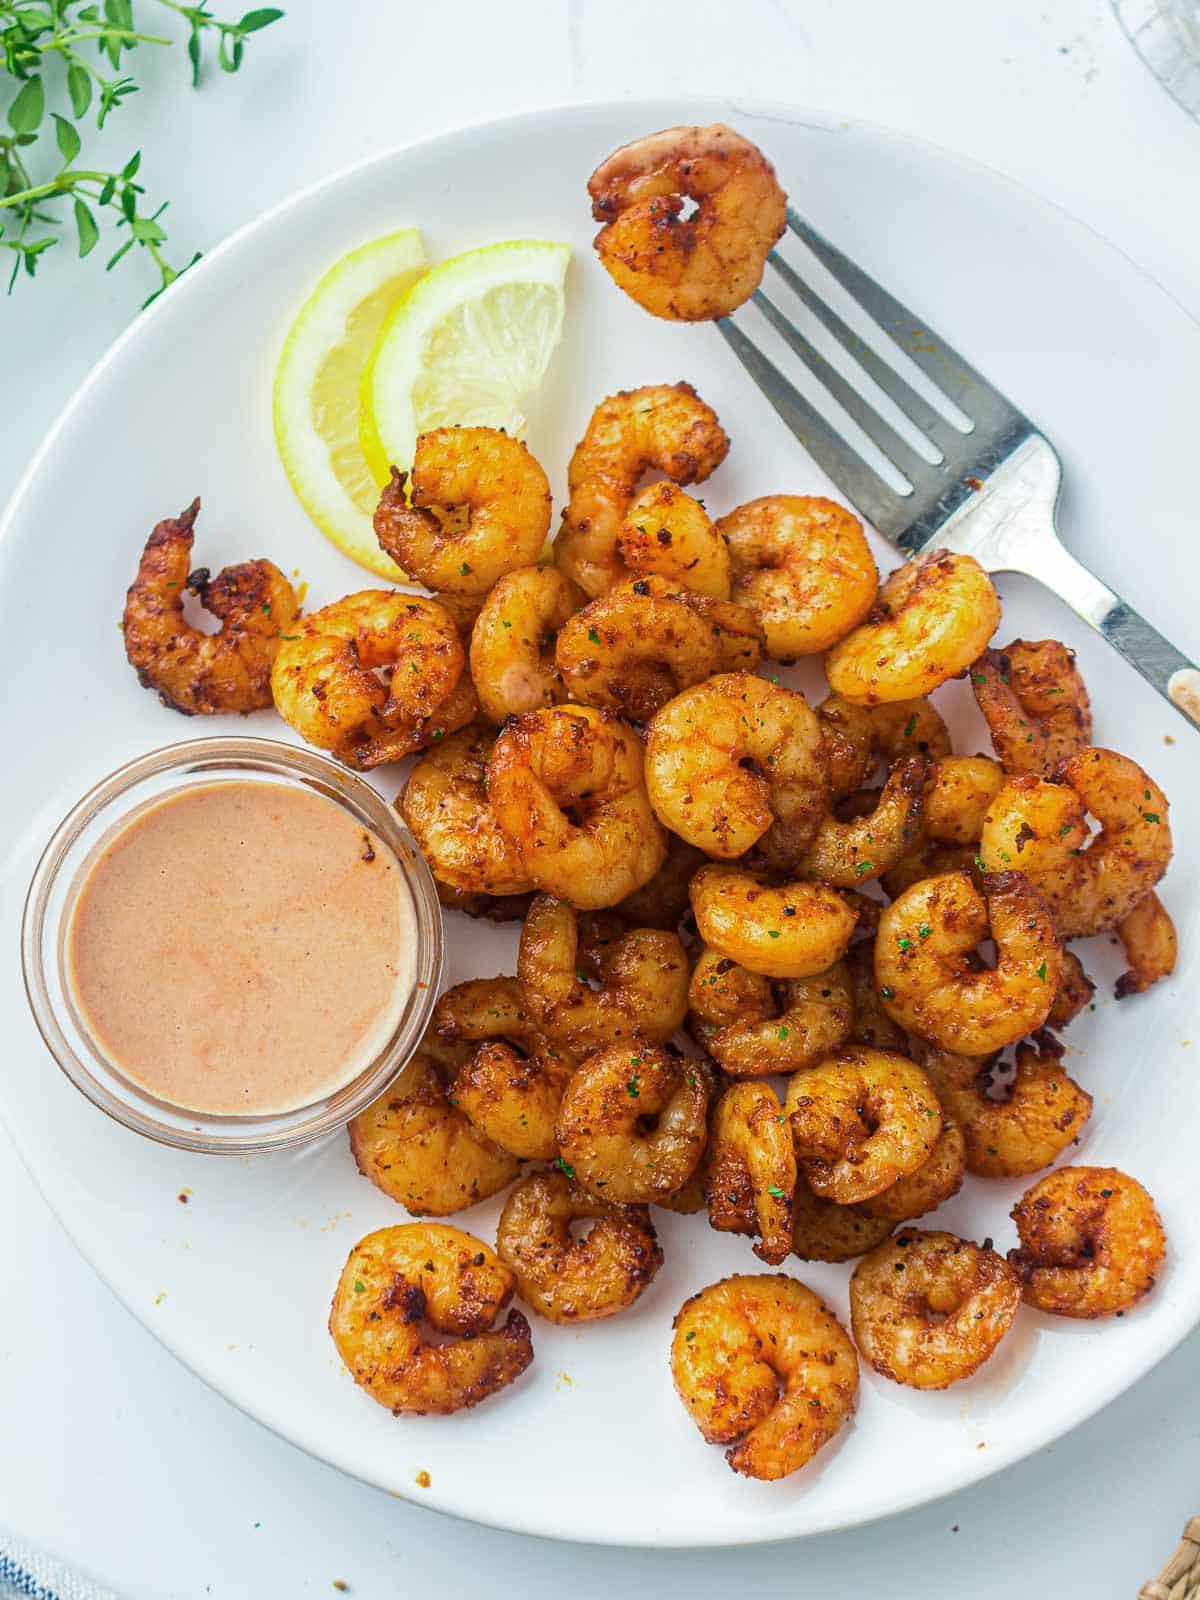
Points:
(1043, 1112)
(925, 972)
(803, 566)
(933, 618)
(663, 427)
(764, 1366)
(568, 787)
(753, 1027)
(567, 1279)
(1034, 702)
(664, 901)
(421, 1150)
(397, 1278)
(482, 475)
(667, 532)
(1151, 947)
(1090, 883)
(927, 1309)
(634, 1122)
(1075, 991)
(934, 1181)
(1092, 1242)
(860, 1121)
(823, 1230)
(642, 979)
(367, 676)
(736, 762)
(195, 672)
(752, 1168)
(855, 735)
(445, 804)
(846, 853)
(703, 266)
(635, 647)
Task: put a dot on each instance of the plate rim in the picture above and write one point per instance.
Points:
(1003, 1457)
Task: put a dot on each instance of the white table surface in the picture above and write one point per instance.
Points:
(112, 1455)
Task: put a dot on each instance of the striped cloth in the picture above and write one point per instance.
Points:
(27, 1574)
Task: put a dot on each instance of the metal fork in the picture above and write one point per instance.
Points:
(994, 491)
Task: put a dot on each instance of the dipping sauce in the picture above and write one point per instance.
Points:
(241, 947)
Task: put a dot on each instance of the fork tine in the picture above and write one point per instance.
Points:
(915, 407)
(881, 434)
(876, 499)
(953, 375)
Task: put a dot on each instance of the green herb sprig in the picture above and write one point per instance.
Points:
(62, 60)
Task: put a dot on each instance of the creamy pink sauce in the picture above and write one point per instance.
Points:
(241, 947)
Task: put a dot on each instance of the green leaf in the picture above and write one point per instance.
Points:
(85, 227)
(147, 231)
(108, 190)
(263, 17)
(193, 50)
(79, 87)
(129, 170)
(25, 113)
(68, 138)
(123, 251)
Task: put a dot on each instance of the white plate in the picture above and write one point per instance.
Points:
(592, 1444)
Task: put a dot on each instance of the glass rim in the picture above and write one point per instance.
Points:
(193, 762)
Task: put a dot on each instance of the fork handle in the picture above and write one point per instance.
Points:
(1156, 658)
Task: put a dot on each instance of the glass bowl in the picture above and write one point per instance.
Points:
(1166, 34)
(59, 877)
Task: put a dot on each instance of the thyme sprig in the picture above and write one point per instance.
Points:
(63, 60)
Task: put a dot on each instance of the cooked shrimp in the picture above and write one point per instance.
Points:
(662, 427)
(668, 533)
(803, 566)
(1151, 947)
(634, 1122)
(861, 1120)
(752, 1027)
(789, 931)
(822, 1230)
(957, 797)
(1092, 1242)
(872, 1025)
(634, 648)
(704, 266)
(396, 1278)
(931, 860)
(512, 642)
(327, 676)
(928, 1309)
(1034, 702)
(190, 671)
(480, 507)
(1043, 1112)
(643, 980)
(664, 902)
(763, 1365)
(567, 1279)
(752, 1168)
(568, 787)
(932, 619)
(934, 1181)
(738, 761)
(1090, 884)
(422, 1151)
(844, 854)
(741, 643)
(927, 982)
(855, 735)
(445, 804)
(1075, 990)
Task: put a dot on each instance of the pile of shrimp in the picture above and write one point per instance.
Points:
(792, 964)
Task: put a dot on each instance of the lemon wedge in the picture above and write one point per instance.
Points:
(317, 386)
(467, 345)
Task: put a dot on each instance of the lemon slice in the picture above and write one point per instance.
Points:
(317, 384)
(467, 345)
